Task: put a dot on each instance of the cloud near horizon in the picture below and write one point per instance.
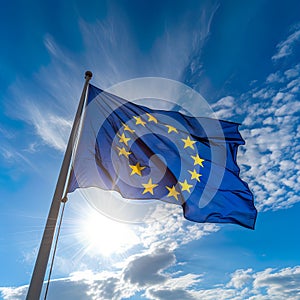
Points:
(161, 284)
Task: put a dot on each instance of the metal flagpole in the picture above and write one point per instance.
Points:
(40, 267)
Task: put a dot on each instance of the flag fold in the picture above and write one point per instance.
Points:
(144, 153)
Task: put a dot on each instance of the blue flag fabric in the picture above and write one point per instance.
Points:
(155, 154)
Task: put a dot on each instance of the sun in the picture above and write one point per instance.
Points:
(100, 235)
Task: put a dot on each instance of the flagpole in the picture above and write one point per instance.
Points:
(41, 263)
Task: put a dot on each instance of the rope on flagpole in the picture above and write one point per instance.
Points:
(64, 200)
(37, 279)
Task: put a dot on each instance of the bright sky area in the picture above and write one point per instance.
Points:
(244, 59)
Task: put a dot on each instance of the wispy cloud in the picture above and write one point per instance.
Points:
(48, 99)
(8, 153)
(285, 48)
(9, 156)
(52, 129)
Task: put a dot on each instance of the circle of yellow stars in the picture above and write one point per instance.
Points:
(137, 169)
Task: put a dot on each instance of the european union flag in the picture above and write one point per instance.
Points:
(155, 154)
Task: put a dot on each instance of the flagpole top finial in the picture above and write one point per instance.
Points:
(88, 75)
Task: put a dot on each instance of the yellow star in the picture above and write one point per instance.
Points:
(136, 169)
(122, 151)
(188, 142)
(172, 192)
(195, 175)
(139, 121)
(149, 187)
(185, 186)
(197, 160)
(126, 127)
(123, 139)
(171, 128)
(151, 118)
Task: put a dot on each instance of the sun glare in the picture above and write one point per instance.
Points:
(102, 236)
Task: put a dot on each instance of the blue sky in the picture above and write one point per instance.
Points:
(242, 56)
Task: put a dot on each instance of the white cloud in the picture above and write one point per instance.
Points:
(223, 108)
(293, 72)
(13, 293)
(275, 77)
(285, 48)
(282, 284)
(174, 231)
(263, 93)
(269, 161)
(147, 274)
(240, 278)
